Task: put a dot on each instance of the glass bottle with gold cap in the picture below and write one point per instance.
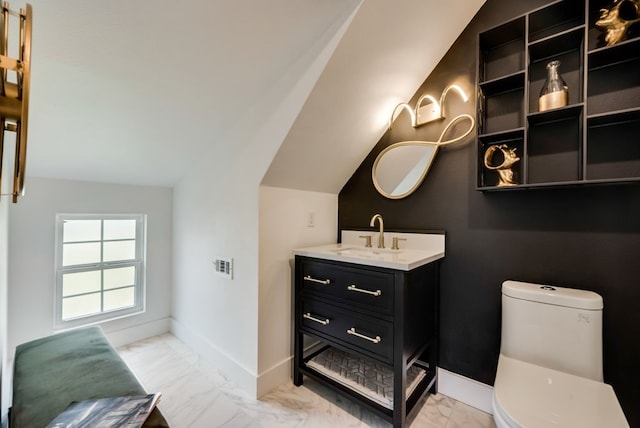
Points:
(555, 92)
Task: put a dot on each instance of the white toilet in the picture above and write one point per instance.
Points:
(550, 365)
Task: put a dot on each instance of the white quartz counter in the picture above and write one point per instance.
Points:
(416, 249)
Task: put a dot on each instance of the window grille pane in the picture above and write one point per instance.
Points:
(119, 299)
(80, 306)
(80, 254)
(121, 277)
(99, 267)
(119, 250)
(80, 283)
(81, 230)
(119, 229)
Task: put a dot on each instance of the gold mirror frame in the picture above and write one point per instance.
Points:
(420, 179)
(429, 162)
(14, 97)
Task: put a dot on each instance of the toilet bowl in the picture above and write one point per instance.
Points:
(550, 365)
(526, 395)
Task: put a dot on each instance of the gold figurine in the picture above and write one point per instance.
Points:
(505, 173)
(617, 19)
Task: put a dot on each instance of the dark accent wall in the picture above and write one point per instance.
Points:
(579, 237)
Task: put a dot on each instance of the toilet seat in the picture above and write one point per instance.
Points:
(526, 395)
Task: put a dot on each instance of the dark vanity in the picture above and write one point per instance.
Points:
(370, 329)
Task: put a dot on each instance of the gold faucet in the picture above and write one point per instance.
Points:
(381, 223)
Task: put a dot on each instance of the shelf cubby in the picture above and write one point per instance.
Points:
(611, 55)
(595, 36)
(616, 87)
(503, 111)
(500, 85)
(502, 50)
(555, 18)
(611, 154)
(566, 48)
(554, 150)
(594, 139)
(513, 139)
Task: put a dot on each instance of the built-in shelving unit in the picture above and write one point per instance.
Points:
(594, 139)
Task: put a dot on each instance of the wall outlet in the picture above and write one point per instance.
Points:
(311, 219)
(224, 267)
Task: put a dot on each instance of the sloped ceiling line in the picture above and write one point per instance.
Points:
(135, 92)
(388, 51)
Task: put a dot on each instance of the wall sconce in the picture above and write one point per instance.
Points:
(14, 92)
(429, 111)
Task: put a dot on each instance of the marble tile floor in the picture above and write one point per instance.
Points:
(197, 395)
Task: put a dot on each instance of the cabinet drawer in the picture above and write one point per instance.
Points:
(362, 287)
(359, 331)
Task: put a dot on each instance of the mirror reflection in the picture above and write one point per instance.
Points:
(415, 157)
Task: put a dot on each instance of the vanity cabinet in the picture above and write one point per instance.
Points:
(594, 139)
(385, 319)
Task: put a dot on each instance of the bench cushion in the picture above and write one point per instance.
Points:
(51, 372)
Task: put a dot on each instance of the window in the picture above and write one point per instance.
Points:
(99, 267)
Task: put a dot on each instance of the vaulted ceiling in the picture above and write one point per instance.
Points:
(133, 92)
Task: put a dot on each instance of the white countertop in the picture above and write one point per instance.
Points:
(418, 249)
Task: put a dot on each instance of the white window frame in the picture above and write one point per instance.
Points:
(139, 262)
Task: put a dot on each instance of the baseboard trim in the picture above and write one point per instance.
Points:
(238, 373)
(282, 372)
(458, 387)
(138, 332)
(275, 376)
(465, 390)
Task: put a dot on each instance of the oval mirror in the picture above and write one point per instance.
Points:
(400, 168)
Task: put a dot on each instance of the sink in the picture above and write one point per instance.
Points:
(365, 252)
(419, 249)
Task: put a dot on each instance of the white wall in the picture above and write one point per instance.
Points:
(216, 211)
(4, 263)
(32, 251)
(284, 225)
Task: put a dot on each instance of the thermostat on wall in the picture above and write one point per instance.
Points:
(224, 267)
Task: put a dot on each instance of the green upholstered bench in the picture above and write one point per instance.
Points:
(51, 372)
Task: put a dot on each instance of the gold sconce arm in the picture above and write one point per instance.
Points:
(432, 111)
(14, 96)
(457, 89)
(428, 112)
(398, 109)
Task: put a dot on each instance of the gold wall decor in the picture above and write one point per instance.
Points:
(15, 77)
(400, 168)
(505, 173)
(427, 109)
(617, 19)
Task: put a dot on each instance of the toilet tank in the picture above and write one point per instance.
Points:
(554, 327)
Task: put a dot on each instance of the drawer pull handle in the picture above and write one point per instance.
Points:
(352, 331)
(312, 318)
(360, 290)
(319, 281)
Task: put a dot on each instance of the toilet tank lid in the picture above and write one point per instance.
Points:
(569, 297)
